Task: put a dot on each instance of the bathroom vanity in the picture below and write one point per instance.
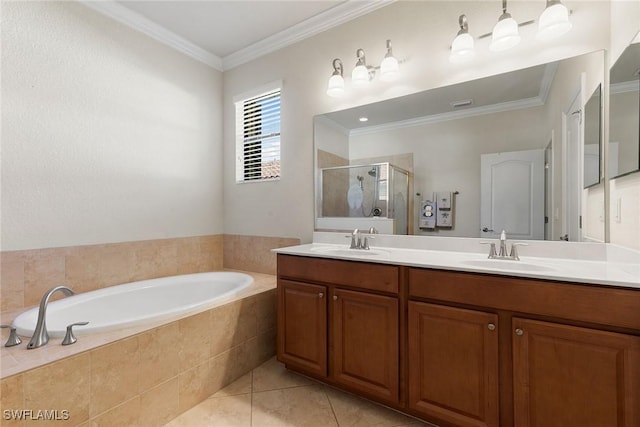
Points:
(463, 348)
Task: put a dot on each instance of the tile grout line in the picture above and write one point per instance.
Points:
(324, 390)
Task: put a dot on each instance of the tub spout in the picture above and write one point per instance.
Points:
(40, 335)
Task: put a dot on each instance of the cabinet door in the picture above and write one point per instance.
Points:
(302, 326)
(570, 376)
(453, 364)
(365, 343)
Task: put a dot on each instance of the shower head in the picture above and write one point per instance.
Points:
(373, 172)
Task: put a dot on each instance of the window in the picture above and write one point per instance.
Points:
(258, 137)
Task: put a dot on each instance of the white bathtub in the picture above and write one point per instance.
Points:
(134, 303)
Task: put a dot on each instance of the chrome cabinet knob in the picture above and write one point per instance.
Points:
(13, 339)
(69, 338)
(519, 332)
(491, 327)
(320, 294)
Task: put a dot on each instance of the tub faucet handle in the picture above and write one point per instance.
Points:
(14, 339)
(69, 338)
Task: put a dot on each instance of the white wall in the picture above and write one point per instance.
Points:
(107, 135)
(421, 32)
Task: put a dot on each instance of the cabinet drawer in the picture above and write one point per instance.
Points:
(584, 303)
(364, 275)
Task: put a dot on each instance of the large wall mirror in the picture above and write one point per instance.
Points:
(468, 160)
(624, 113)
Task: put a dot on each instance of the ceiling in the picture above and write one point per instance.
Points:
(224, 34)
(224, 27)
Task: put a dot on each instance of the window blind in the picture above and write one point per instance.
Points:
(258, 137)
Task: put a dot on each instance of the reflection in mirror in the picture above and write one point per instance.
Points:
(624, 113)
(592, 142)
(491, 149)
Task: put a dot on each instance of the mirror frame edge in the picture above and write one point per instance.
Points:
(604, 154)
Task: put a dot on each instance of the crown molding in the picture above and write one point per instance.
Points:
(623, 87)
(326, 20)
(547, 80)
(453, 115)
(138, 22)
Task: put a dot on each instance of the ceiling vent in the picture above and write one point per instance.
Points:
(461, 104)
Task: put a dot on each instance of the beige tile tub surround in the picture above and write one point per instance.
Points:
(151, 377)
(26, 275)
(253, 253)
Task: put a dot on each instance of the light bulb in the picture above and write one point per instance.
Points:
(389, 69)
(553, 22)
(462, 49)
(505, 34)
(360, 76)
(335, 88)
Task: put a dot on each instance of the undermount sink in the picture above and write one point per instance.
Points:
(339, 251)
(507, 265)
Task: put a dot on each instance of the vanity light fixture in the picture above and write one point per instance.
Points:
(335, 88)
(505, 34)
(462, 46)
(362, 74)
(389, 67)
(554, 21)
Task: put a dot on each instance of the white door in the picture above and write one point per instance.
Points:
(512, 194)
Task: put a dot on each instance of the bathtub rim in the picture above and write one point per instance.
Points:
(32, 313)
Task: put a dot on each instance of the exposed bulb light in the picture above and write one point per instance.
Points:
(389, 67)
(505, 33)
(554, 21)
(462, 47)
(335, 88)
(360, 74)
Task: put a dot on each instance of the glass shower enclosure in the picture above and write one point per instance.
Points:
(376, 191)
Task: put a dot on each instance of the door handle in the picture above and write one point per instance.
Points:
(486, 230)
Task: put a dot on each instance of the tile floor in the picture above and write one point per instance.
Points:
(271, 396)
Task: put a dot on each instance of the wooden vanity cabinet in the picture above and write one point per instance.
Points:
(464, 349)
(571, 376)
(365, 343)
(302, 326)
(568, 354)
(453, 364)
(339, 321)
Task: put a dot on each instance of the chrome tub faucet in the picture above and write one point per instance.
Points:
(40, 335)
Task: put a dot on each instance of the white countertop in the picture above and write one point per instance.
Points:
(585, 263)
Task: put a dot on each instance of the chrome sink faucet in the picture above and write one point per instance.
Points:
(40, 335)
(359, 242)
(502, 253)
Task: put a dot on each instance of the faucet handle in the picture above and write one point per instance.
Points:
(14, 339)
(514, 250)
(492, 249)
(69, 338)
